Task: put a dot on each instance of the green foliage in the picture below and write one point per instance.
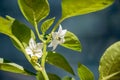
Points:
(22, 32)
(5, 26)
(18, 32)
(68, 78)
(84, 73)
(72, 42)
(109, 68)
(53, 77)
(79, 7)
(13, 67)
(34, 10)
(56, 59)
(46, 25)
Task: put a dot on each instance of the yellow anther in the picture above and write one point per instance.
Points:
(34, 59)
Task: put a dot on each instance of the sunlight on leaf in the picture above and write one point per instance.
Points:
(5, 26)
(56, 59)
(47, 24)
(84, 73)
(13, 67)
(72, 42)
(79, 7)
(109, 68)
(34, 10)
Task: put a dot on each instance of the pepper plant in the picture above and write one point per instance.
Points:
(39, 53)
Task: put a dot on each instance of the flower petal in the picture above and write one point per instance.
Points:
(54, 47)
(39, 46)
(60, 29)
(62, 34)
(50, 45)
(28, 51)
(54, 44)
(39, 55)
(37, 51)
(62, 41)
(54, 35)
(32, 43)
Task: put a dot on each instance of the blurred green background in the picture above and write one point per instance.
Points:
(96, 31)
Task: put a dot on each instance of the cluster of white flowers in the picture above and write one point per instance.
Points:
(35, 49)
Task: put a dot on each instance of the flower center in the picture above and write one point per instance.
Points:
(58, 38)
(34, 59)
(34, 51)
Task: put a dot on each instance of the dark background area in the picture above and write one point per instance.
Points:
(96, 31)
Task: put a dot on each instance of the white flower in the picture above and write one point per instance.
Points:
(58, 37)
(34, 49)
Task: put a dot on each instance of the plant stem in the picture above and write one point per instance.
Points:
(44, 55)
(41, 75)
(37, 31)
(44, 74)
(44, 59)
(43, 71)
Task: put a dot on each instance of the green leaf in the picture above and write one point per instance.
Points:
(5, 26)
(13, 67)
(84, 73)
(46, 25)
(34, 10)
(72, 42)
(68, 78)
(53, 77)
(73, 8)
(56, 59)
(18, 32)
(22, 32)
(109, 68)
